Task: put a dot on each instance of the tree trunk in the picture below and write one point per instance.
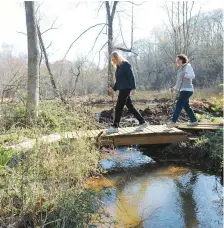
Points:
(110, 18)
(57, 92)
(110, 44)
(33, 57)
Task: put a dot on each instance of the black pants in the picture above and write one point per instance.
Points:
(125, 99)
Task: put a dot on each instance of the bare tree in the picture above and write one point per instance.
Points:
(43, 49)
(33, 58)
(110, 18)
(181, 26)
(110, 12)
(76, 75)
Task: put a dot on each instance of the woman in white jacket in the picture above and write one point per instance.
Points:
(183, 85)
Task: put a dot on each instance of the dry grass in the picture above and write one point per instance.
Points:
(151, 95)
(46, 184)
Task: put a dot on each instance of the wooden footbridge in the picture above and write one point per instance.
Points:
(153, 134)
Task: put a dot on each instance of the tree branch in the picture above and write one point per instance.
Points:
(114, 9)
(137, 4)
(79, 37)
(125, 50)
(100, 7)
(121, 31)
(77, 78)
(97, 38)
(52, 27)
(48, 45)
(39, 5)
(21, 33)
(100, 52)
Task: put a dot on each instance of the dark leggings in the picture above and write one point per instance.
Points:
(183, 102)
(125, 99)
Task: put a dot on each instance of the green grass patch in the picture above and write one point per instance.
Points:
(54, 117)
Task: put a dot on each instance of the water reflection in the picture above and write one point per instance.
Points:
(163, 196)
(125, 158)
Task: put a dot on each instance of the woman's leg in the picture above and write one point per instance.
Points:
(122, 98)
(190, 112)
(182, 100)
(134, 111)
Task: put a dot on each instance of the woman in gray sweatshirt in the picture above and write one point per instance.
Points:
(184, 85)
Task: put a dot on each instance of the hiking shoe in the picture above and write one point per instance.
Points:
(195, 123)
(171, 124)
(112, 130)
(142, 126)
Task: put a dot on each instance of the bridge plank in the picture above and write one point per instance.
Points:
(155, 129)
(151, 129)
(122, 131)
(153, 134)
(201, 126)
(71, 135)
(164, 129)
(146, 139)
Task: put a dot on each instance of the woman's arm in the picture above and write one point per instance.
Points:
(131, 77)
(178, 83)
(115, 87)
(189, 72)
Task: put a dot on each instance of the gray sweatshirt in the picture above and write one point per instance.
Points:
(185, 82)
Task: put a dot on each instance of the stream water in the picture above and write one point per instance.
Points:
(150, 195)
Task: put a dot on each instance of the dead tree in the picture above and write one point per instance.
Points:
(53, 83)
(110, 19)
(181, 26)
(76, 79)
(110, 12)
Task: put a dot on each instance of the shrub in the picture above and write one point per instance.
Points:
(49, 180)
(45, 185)
(211, 145)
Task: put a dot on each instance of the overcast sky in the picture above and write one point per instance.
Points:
(74, 18)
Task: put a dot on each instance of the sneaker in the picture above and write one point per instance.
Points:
(112, 130)
(171, 124)
(142, 126)
(195, 123)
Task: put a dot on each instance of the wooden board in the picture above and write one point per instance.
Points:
(201, 127)
(152, 134)
(147, 139)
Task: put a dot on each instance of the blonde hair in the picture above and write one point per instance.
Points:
(119, 57)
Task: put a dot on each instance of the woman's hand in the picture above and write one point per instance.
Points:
(183, 75)
(133, 92)
(110, 89)
(171, 90)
